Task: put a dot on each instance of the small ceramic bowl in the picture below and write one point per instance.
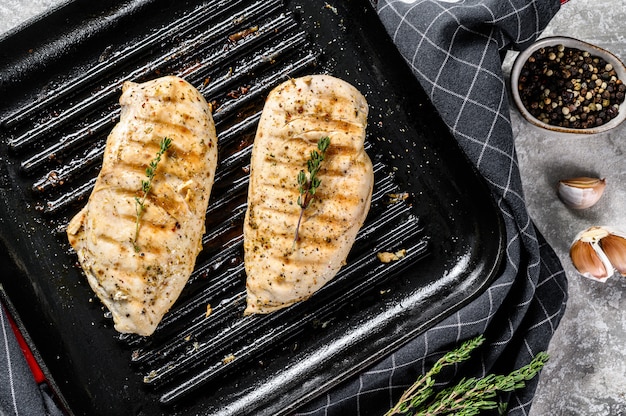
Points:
(567, 42)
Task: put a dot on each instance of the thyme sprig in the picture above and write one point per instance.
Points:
(146, 186)
(307, 186)
(469, 396)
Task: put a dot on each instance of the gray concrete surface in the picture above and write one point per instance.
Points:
(587, 371)
(586, 374)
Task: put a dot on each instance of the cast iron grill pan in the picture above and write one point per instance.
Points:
(205, 355)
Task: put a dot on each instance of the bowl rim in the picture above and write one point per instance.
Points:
(566, 41)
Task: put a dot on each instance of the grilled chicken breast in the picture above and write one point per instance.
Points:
(297, 114)
(138, 273)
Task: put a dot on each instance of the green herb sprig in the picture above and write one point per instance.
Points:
(307, 186)
(469, 396)
(146, 186)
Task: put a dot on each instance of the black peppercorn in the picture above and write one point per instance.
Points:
(568, 87)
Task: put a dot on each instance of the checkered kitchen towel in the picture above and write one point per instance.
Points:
(454, 48)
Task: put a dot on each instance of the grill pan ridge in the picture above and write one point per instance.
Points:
(205, 356)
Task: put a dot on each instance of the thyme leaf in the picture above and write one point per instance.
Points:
(307, 185)
(146, 186)
(469, 396)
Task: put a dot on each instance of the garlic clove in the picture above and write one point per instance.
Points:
(582, 192)
(590, 262)
(614, 246)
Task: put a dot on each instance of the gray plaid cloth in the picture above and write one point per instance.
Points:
(454, 49)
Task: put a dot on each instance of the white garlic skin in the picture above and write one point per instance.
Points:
(582, 192)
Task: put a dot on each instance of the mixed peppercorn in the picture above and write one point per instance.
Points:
(568, 87)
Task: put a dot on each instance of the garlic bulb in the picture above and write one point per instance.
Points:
(582, 192)
(598, 252)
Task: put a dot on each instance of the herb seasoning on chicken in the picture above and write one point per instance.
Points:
(137, 262)
(297, 114)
